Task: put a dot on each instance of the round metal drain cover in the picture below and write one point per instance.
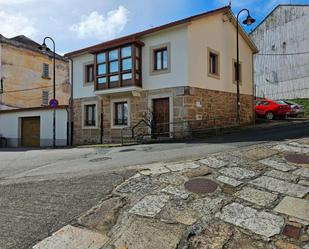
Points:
(297, 158)
(201, 186)
(99, 159)
(127, 150)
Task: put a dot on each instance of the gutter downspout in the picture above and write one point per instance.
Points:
(71, 106)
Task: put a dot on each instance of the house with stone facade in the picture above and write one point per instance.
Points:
(174, 74)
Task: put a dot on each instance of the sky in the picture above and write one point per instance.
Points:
(75, 24)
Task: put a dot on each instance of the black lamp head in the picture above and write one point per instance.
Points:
(43, 47)
(249, 20)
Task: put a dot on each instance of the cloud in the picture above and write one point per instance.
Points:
(102, 27)
(12, 2)
(15, 24)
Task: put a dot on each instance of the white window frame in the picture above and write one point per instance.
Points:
(85, 127)
(113, 102)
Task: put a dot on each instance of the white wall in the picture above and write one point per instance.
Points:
(285, 31)
(79, 89)
(178, 75)
(10, 126)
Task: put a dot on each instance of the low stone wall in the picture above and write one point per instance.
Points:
(192, 108)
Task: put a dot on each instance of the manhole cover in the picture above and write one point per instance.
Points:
(201, 186)
(99, 159)
(127, 150)
(297, 158)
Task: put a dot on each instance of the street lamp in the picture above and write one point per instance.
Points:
(43, 47)
(248, 21)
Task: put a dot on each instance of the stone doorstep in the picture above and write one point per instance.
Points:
(73, 237)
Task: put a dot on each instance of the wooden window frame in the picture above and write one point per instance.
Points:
(84, 115)
(114, 102)
(116, 119)
(217, 54)
(153, 58)
(93, 110)
(121, 82)
(86, 73)
(234, 63)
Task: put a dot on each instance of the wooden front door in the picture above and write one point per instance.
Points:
(161, 117)
(30, 132)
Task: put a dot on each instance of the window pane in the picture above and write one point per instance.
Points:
(127, 64)
(113, 55)
(137, 64)
(121, 113)
(137, 52)
(102, 69)
(113, 67)
(114, 78)
(101, 58)
(125, 112)
(126, 52)
(102, 80)
(127, 76)
(158, 60)
(165, 59)
(137, 76)
(90, 115)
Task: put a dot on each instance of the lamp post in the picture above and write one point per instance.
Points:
(45, 48)
(248, 21)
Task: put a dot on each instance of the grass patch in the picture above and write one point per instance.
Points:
(305, 103)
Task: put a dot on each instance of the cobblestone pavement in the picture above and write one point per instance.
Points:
(261, 201)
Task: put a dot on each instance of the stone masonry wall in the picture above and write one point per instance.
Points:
(194, 107)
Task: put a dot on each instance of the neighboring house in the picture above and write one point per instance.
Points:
(26, 74)
(281, 68)
(179, 72)
(25, 90)
(33, 127)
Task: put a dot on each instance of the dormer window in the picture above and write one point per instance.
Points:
(118, 67)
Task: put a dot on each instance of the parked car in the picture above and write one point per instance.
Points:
(271, 109)
(296, 109)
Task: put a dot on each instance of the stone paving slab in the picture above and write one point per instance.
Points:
(213, 162)
(291, 148)
(295, 207)
(155, 169)
(229, 181)
(262, 223)
(279, 165)
(182, 166)
(176, 192)
(256, 196)
(281, 175)
(149, 234)
(259, 153)
(70, 237)
(238, 172)
(304, 183)
(150, 205)
(302, 172)
(280, 186)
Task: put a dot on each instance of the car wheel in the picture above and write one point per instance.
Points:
(269, 115)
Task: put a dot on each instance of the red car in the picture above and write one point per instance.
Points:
(271, 109)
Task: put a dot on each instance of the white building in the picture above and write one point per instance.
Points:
(33, 127)
(281, 68)
(176, 73)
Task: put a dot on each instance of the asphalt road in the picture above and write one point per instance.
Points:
(42, 190)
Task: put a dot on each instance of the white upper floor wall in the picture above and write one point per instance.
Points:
(189, 45)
